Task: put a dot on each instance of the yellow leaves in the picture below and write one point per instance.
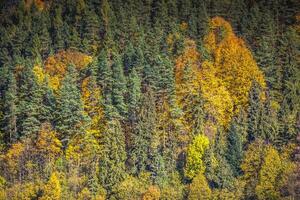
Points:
(233, 62)
(199, 188)
(54, 82)
(84, 149)
(52, 190)
(195, 152)
(39, 73)
(23, 191)
(266, 189)
(40, 4)
(12, 158)
(219, 104)
(153, 193)
(91, 95)
(56, 65)
(273, 174)
(183, 26)
(224, 82)
(47, 143)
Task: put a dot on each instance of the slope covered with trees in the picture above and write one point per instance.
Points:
(149, 99)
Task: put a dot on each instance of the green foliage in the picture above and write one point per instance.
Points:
(70, 118)
(112, 162)
(149, 99)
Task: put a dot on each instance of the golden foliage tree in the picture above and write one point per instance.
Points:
(52, 189)
(47, 143)
(153, 193)
(56, 65)
(232, 60)
(224, 80)
(195, 152)
(199, 188)
(273, 174)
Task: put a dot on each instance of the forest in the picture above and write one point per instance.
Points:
(149, 99)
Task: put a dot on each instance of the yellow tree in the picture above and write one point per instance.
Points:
(52, 189)
(196, 80)
(232, 60)
(253, 160)
(199, 188)
(273, 174)
(91, 98)
(48, 145)
(195, 152)
(56, 66)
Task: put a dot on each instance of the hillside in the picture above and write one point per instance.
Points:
(149, 99)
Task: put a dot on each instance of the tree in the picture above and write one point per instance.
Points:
(233, 61)
(273, 174)
(234, 154)
(112, 161)
(251, 165)
(134, 95)
(199, 188)
(10, 115)
(195, 152)
(52, 189)
(254, 112)
(57, 27)
(118, 87)
(153, 193)
(144, 139)
(91, 31)
(70, 118)
(32, 108)
(48, 146)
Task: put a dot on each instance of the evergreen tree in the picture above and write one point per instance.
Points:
(10, 113)
(91, 31)
(31, 105)
(254, 112)
(118, 87)
(144, 142)
(57, 29)
(234, 153)
(70, 118)
(112, 162)
(134, 96)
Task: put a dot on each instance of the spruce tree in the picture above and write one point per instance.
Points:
(10, 113)
(112, 162)
(134, 96)
(70, 118)
(91, 31)
(31, 104)
(254, 112)
(57, 29)
(144, 137)
(234, 150)
(118, 86)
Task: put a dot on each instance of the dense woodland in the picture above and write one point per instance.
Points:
(149, 99)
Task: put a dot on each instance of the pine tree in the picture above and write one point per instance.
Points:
(70, 118)
(112, 162)
(254, 112)
(31, 104)
(57, 29)
(118, 87)
(144, 136)
(234, 153)
(91, 31)
(10, 114)
(134, 96)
